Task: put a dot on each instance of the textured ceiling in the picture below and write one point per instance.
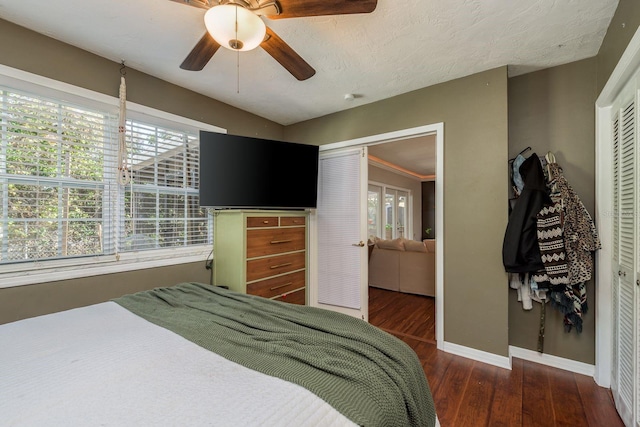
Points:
(417, 155)
(401, 46)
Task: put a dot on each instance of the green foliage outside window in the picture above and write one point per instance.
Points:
(59, 197)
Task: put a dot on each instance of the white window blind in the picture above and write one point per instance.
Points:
(52, 177)
(161, 203)
(58, 181)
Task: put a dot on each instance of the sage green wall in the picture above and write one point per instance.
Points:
(393, 179)
(21, 302)
(553, 110)
(474, 112)
(623, 26)
(29, 51)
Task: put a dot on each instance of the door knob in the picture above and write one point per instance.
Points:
(361, 244)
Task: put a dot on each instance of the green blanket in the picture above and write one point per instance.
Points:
(368, 375)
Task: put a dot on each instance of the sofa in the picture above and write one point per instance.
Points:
(403, 265)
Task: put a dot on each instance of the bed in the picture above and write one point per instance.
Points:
(194, 354)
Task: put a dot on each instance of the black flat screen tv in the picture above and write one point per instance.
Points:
(238, 172)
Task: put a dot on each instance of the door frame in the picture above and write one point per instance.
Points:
(436, 129)
(627, 65)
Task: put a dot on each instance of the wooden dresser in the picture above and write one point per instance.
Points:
(262, 253)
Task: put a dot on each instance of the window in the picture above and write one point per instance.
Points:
(161, 202)
(401, 209)
(373, 211)
(391, 219)
(60, 199)
(53, 158)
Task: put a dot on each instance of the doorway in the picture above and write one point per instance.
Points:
(406, 134)
(402, 284)
(402, 314)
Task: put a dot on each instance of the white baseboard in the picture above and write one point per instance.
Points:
(521, 353)
(554, 361)
(478, 355)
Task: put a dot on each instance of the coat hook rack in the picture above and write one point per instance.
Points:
(521, 152)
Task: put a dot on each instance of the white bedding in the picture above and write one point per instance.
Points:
(103, 365)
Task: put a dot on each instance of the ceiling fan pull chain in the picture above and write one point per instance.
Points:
(237, 57)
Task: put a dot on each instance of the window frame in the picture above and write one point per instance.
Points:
(138, 188)
(33, 272)
(377, 189)
(381, 211)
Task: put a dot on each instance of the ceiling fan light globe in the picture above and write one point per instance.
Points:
(221, 24)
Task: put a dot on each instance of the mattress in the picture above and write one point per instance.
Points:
(103, 365)
(193, 354)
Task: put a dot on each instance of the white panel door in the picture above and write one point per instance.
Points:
(341, 232)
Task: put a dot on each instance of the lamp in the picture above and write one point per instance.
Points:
(235, 27)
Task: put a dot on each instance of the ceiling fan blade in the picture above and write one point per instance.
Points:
(300, 8)
(200, 54)
(202, 4)
(287, 57)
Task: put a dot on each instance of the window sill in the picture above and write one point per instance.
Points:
(51, 271)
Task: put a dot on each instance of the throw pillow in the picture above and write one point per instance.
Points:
(414, 246)
(395, 244)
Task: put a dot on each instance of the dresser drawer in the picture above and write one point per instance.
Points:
(288, 221)
(266, 267)
(278, 285)
(269, 241)
(262, 221)
(297, 297)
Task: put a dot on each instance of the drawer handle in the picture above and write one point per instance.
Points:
(275, 242)
(265, 222)
(280, 265)
(281, 286)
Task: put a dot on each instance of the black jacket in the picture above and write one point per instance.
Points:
(520, 250)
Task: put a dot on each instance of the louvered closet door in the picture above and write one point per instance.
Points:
(631, 287)
(615, 381)
(625, 347)
(637, 334)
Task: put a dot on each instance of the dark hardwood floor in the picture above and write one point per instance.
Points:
(470, 393)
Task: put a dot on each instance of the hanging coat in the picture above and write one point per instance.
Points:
(580, 236)
(520, 250)
(580, 241)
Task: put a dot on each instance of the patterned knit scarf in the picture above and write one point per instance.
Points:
(571, 300)
(551, 243)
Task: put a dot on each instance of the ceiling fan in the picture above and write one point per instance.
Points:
(237, 11)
